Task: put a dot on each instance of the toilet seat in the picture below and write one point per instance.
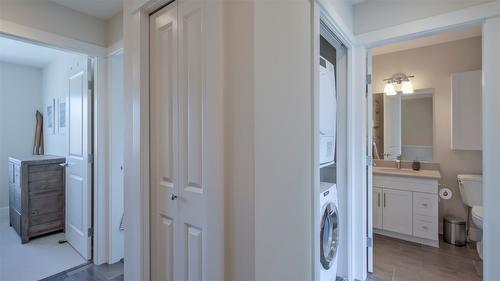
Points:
(477, 214)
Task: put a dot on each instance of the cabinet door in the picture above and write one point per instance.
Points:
(397, 211)
(377, 207)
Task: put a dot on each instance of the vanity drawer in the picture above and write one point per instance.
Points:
(425, 204)
(425, 227)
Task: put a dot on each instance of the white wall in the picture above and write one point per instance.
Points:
(115, 29)
(283, 134)
(456, 56)
(491, 148)
(55, 86)
(373, 15)
(20, 98)
(50, 17)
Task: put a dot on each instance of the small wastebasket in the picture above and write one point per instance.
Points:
(454, 231)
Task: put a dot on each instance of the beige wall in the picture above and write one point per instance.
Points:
(239, 191)
(432, 67)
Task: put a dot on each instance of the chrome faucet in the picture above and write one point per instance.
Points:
(398, 161)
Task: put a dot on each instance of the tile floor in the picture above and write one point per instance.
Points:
(91, 272)
(39, 258)
(398, 260)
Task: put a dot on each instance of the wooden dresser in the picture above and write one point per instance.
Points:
(36, 195)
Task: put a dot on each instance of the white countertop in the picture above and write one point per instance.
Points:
(387, 171)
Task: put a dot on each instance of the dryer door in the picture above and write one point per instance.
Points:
(329, 235)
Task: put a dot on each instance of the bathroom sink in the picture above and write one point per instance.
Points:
(394, 170)
(407, 172)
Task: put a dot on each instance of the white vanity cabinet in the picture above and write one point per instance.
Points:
(406, 208)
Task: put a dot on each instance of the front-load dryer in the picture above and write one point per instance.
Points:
(329, 231)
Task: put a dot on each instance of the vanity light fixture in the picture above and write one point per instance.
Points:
(398, 78)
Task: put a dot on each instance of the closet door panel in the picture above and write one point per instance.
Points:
(192, 124)
(163, 144)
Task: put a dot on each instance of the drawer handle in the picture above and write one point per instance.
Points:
(425, 205)
(425, 227)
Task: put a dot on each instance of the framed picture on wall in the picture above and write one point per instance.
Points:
(50, 117)
(62, 124)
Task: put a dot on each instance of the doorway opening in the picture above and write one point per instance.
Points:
(47, 139)
(424, 134)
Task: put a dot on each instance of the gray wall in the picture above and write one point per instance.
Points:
(20, 98)
(432, 67)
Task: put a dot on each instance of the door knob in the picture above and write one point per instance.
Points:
(173, 197)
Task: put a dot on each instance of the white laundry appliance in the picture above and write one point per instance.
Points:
(329, 231)
(327, 112)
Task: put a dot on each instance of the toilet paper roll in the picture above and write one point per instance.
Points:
(445, 193)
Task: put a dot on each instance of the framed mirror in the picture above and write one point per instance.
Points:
(403, 124)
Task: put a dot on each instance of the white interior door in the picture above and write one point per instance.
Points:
(116, 235)
(192, 142)
(78, 181)
(164, 146)
(369, 154)
(178, 122)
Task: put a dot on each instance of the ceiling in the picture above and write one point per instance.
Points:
(101, 9)
(435, 39)
(18, 52)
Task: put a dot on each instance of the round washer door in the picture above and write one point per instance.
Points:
(329, 235)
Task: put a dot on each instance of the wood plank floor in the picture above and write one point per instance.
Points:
(398, 260)
(91, 272)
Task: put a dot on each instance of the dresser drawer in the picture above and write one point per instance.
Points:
(47, 218)
(425, 227)
(425, 204)
(46, 204)
(49, 179)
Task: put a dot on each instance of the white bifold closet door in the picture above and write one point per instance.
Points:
(177, 143)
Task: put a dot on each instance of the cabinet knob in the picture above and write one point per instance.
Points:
(424, 204)
(173, 197)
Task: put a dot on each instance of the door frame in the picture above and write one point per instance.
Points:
(116, 49)
(137, 182)
(99, 111)
(322, 9)
(474, 15)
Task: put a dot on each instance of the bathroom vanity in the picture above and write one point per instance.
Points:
(405, 204)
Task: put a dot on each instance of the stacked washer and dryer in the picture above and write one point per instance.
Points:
(329, 216)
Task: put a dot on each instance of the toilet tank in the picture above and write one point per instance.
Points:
(471, 189)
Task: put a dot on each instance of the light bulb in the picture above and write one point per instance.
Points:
(407, 87)
(389, 89)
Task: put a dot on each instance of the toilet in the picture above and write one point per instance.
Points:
(477, 219)
(471, 190)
